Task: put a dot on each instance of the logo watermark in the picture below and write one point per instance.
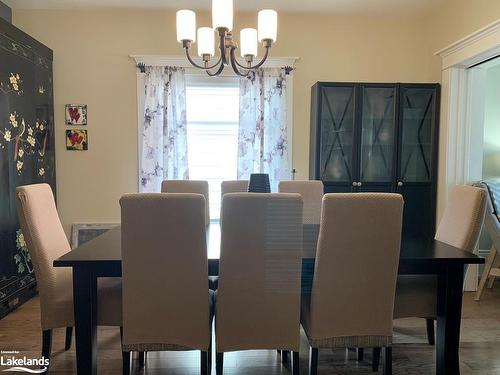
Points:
(16, 363)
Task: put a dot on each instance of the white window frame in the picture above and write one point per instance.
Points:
(194, 73)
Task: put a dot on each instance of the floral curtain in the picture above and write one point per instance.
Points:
(164, 132)
(263, 129)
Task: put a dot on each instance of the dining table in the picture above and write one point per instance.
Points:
(101, 257)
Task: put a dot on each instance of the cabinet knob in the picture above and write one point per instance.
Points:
(360, 183)
(400, 183)
(354, 183)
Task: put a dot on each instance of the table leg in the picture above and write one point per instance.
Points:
(85, 309)
(449, 314)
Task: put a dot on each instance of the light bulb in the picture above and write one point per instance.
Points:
(222, 14)
(206, 41)
(268, 25)
(186, 25)
(248, 41)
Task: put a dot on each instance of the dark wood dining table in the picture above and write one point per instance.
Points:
(101, 257)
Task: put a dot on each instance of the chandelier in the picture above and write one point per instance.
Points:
(222, 25)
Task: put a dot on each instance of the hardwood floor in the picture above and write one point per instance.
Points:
(480, 347)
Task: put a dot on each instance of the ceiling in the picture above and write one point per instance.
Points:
(378, 7)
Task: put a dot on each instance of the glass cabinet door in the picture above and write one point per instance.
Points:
(417, 124)
(377, 134)
(337, 133)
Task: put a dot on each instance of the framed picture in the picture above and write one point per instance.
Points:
(84, 232)
(76, 114)
(77, 140)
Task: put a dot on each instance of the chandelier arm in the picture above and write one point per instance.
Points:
(235, 68)
(217, 72)
(222, 46)
(251, 67)
(199, 66)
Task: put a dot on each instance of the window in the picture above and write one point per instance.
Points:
(212, 127)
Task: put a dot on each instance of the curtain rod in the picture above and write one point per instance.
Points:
(288, 69)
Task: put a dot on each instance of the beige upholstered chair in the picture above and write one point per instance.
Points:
(258, 300)
(460, 226)
(46, 242)
(164, 241)
(312, 195)
(492, 225)
(189, 186)
(234, 186)
(352, 297)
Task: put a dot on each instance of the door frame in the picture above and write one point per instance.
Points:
(457, 140)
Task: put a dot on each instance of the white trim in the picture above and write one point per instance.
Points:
(181, 61)
(474, 48)
(141, 98)
(196, 79)
(289, 107)
(457, 141)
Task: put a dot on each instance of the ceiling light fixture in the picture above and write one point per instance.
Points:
(222, 25)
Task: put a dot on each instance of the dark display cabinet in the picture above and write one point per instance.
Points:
(26, 150)
(379, 137)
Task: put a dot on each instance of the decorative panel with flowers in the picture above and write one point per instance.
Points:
(26, 150)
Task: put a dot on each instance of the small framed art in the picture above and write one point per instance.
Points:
(77, 140)
(76, 114)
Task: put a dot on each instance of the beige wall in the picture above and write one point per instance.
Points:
(91, 66)
(454, 20)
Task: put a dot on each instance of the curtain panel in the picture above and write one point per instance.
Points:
(263, 129)
(164, 151)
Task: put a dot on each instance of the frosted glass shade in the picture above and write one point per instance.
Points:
(206, 41)
(186, 25)
(268, 25)
(248, 41)
(222, 14)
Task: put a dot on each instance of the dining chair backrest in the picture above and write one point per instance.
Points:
(234, 186)
(189, 186)
(356, 266)
(44, 235)
(165, 271)
(492, 215)
(258, 300)
(312, 195)
(463, 216)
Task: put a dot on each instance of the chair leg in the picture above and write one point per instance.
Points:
(388, 360)
(295, 363)
(360, 354)
(313, 361)
(496, 264)
(69, 336)
(46, 343)
(491, 282)
(142, 356)
(210, 358)
(219, 363)
(486, 273)
(125, 357)
(430, 331)
(126, 363)
(284, 356)
(204, 363)
(375, 359)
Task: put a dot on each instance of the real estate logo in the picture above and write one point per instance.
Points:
(16, 363)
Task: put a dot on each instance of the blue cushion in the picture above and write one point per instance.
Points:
(494, 191)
